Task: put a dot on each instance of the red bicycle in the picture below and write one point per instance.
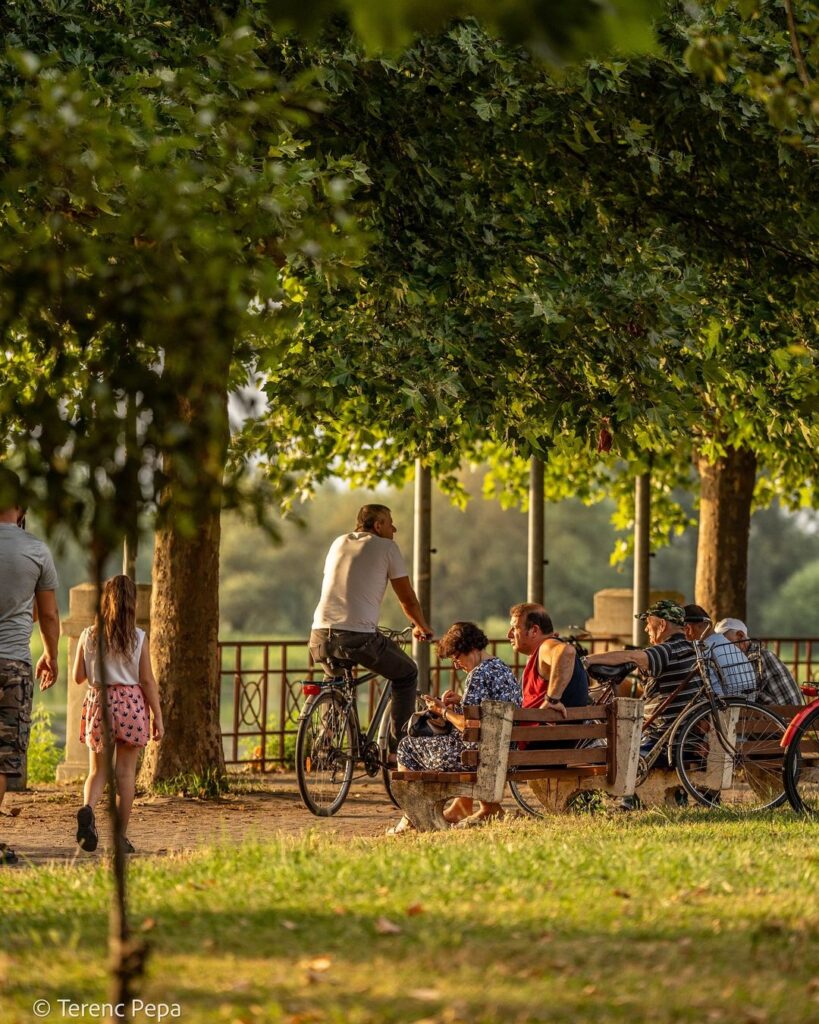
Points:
(801, 743)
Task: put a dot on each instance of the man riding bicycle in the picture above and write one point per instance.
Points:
(345, 622)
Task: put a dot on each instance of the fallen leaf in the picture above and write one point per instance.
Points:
(414, 909)
(291, 926)
(386, 927)
(148, 924)
(425, 995)
(622, 894)
(319, 964)
(15, 811)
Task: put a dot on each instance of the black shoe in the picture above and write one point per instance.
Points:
(87, 837)
(7, 855)
(127, 845)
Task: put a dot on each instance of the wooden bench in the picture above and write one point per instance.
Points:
(663, 784)
(554, 774)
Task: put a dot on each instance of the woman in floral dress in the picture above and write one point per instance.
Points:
(488, 678)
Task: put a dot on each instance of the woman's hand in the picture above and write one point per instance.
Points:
(436, 706)
(450, 698)
(157, 729)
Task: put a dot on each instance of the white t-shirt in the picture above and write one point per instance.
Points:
(356, 572)
(120, 669)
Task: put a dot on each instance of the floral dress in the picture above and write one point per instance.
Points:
(490, 680)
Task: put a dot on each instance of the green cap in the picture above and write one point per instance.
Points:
(665, 609)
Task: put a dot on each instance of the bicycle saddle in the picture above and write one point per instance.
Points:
(338, 665)
(611, 673)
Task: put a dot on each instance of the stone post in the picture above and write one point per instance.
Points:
(81, 611)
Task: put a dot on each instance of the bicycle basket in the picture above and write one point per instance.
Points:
(732, 674)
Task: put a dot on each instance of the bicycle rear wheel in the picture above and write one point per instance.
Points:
(802, 766)
(731, 757)
(525, 799)
(325, 751)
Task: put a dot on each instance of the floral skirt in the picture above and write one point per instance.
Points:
(126, 713)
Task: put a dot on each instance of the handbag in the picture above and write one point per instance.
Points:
(425, 724)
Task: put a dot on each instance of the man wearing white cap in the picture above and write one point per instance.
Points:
(776, 684)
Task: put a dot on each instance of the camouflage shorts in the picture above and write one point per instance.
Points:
(16, 692)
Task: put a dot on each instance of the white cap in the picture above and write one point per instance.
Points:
(726, 624)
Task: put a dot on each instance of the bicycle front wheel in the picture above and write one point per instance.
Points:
(731, 756)
(802, 766)
(325, 752)
(384, 751)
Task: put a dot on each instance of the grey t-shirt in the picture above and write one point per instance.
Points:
(26, 566)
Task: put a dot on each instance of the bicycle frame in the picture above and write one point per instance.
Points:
(345, 686)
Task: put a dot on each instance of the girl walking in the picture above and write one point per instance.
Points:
(130, 685)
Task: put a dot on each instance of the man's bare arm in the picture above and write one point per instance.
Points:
(48, 617)
(640, 658)
(411, 607)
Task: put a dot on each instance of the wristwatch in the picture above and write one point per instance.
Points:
(553, 700)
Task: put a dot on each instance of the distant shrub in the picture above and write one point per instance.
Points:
(43, 752)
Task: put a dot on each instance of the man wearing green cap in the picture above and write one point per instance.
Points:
(670, 662)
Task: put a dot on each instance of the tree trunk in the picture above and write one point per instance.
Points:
(185, 599)
(727, 488)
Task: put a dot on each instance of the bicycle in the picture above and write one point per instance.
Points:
(330, 741)
(801, 743)
(723, 747)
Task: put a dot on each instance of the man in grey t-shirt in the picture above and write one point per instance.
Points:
(356, 572)
(28, 584)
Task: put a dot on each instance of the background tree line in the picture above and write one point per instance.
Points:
(269, 589)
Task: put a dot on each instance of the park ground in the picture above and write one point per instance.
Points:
(256, 912)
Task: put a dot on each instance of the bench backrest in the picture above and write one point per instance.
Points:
(618, 723)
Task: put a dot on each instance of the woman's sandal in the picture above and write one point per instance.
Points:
(402, 826)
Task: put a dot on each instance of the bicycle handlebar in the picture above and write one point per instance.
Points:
(399, 635)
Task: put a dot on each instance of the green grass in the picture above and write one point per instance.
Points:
(662, 917)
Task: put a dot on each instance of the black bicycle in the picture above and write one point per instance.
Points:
(330, 742)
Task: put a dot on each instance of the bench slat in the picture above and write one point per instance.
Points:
(546, 733)
(597, 755)
(407, 776)
(530, 774)
(787, 711)
(572, 714)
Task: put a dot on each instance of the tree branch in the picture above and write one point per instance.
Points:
(801, 66)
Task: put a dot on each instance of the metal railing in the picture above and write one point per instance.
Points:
(261, 693)
(262, 696)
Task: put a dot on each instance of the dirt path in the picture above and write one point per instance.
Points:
(40, 823)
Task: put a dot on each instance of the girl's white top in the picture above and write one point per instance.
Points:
(120, 669)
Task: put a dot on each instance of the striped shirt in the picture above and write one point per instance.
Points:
(669, 664)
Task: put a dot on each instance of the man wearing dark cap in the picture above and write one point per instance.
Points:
(28, 580)
(670, 663)
(697, 623)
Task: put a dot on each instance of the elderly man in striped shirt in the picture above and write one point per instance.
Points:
(670, 662)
